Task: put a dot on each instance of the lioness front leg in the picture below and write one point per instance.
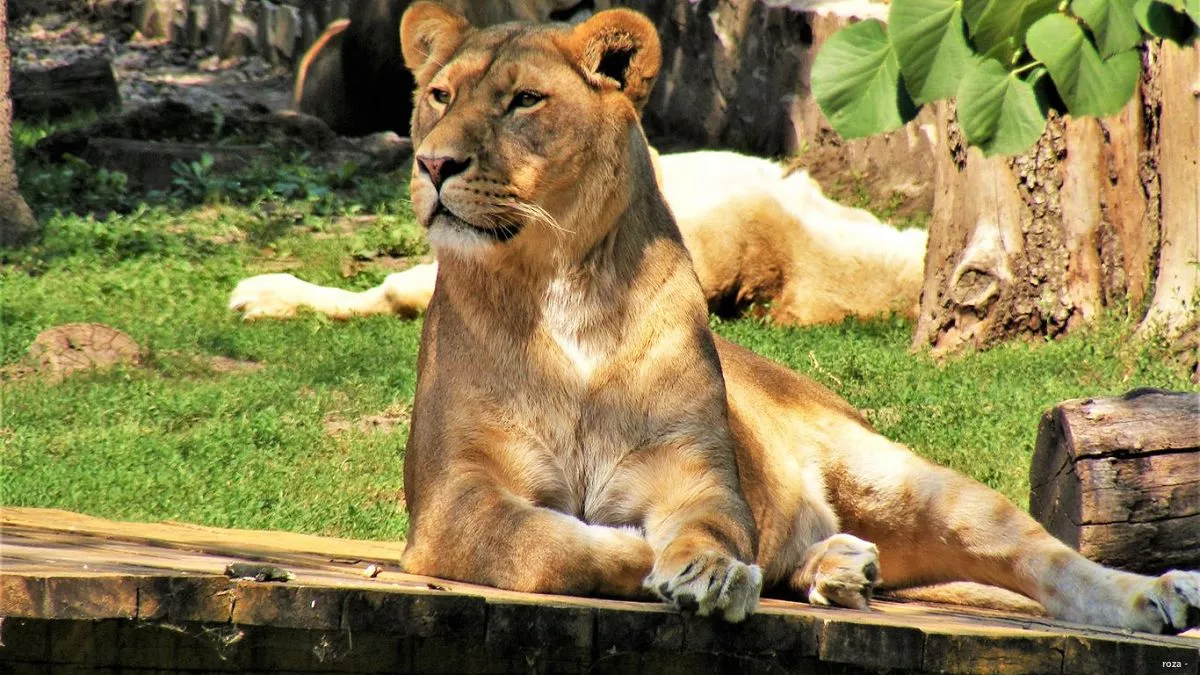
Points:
(482, 533)
(702, 533)
(934, 525)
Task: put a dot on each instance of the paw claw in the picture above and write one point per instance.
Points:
(711, 584)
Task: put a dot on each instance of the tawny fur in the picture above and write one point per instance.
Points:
(578, 429)
(758, 236)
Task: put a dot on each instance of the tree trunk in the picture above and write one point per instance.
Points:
(1100, 215)
(1119, 479)
(17, 224)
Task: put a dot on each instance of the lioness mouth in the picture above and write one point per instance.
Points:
(446, 217)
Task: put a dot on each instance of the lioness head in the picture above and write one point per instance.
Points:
(527, 137)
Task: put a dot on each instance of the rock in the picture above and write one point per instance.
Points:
(66, 90)
(70, 348)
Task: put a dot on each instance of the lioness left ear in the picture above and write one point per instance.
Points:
(429, 34)
(621, 46)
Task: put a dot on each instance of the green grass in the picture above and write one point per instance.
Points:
(174, 440)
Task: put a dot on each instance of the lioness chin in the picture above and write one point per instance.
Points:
(578, 429)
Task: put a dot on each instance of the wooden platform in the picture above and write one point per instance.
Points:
(82, 594)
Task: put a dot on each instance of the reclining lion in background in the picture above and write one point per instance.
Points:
(578, 429)
(354, 78)
(757, 236)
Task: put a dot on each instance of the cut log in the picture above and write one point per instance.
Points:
(58, 92)
(1119, 479)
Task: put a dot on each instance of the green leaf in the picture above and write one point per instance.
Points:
(1000, 30)
(999, 112)
(1087, 84)
(1162, 20)
(930, 46)
(1112, 23)
(972, 10)
(856, 81)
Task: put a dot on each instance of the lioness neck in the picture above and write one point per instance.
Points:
(581, 285)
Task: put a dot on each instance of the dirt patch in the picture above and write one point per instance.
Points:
(353, 266)
(58, 33)
(383, 422)
(224, 364)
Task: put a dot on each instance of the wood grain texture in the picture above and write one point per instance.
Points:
(85, 593)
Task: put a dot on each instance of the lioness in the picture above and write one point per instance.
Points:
(578, 429)
(759, 237)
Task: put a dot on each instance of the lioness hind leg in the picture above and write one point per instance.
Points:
(933, 525)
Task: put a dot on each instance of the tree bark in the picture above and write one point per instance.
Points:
(1119, 479)
(17, 224)
(1100, 215)
(1177, 285)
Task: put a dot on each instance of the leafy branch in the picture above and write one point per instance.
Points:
(993, 57)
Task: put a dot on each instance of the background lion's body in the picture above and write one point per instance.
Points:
(758, 236)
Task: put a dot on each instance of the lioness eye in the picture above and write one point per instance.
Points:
(525, 99)
(442, 96)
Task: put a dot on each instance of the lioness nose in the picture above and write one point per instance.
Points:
(440, 168)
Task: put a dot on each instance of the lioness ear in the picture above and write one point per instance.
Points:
(620, 45)
(429, 34)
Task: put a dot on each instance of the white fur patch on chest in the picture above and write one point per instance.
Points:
(565, 313)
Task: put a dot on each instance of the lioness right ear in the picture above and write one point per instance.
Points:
(619, 46)
(429, 34)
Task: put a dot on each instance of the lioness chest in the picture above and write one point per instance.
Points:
(600, 373)
(582, 422)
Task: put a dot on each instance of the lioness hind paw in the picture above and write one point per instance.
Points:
(711, 584)
(844, 572)
(266, 296)
(1175, 597)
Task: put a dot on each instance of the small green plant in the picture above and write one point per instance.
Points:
(1006, 63)
(195, 180)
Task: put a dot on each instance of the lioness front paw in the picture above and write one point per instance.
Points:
(842, 570)
(267, 296)
(711, 582)
(1171, 604)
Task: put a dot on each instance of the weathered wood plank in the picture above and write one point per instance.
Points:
(123, 612)
(1143, 420)
(1119, 478)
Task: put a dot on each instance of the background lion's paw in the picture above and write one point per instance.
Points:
(1174, 599)
(846, 574)
(711, 583)
(267, 296)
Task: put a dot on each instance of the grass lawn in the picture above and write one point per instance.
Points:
(284, 447)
